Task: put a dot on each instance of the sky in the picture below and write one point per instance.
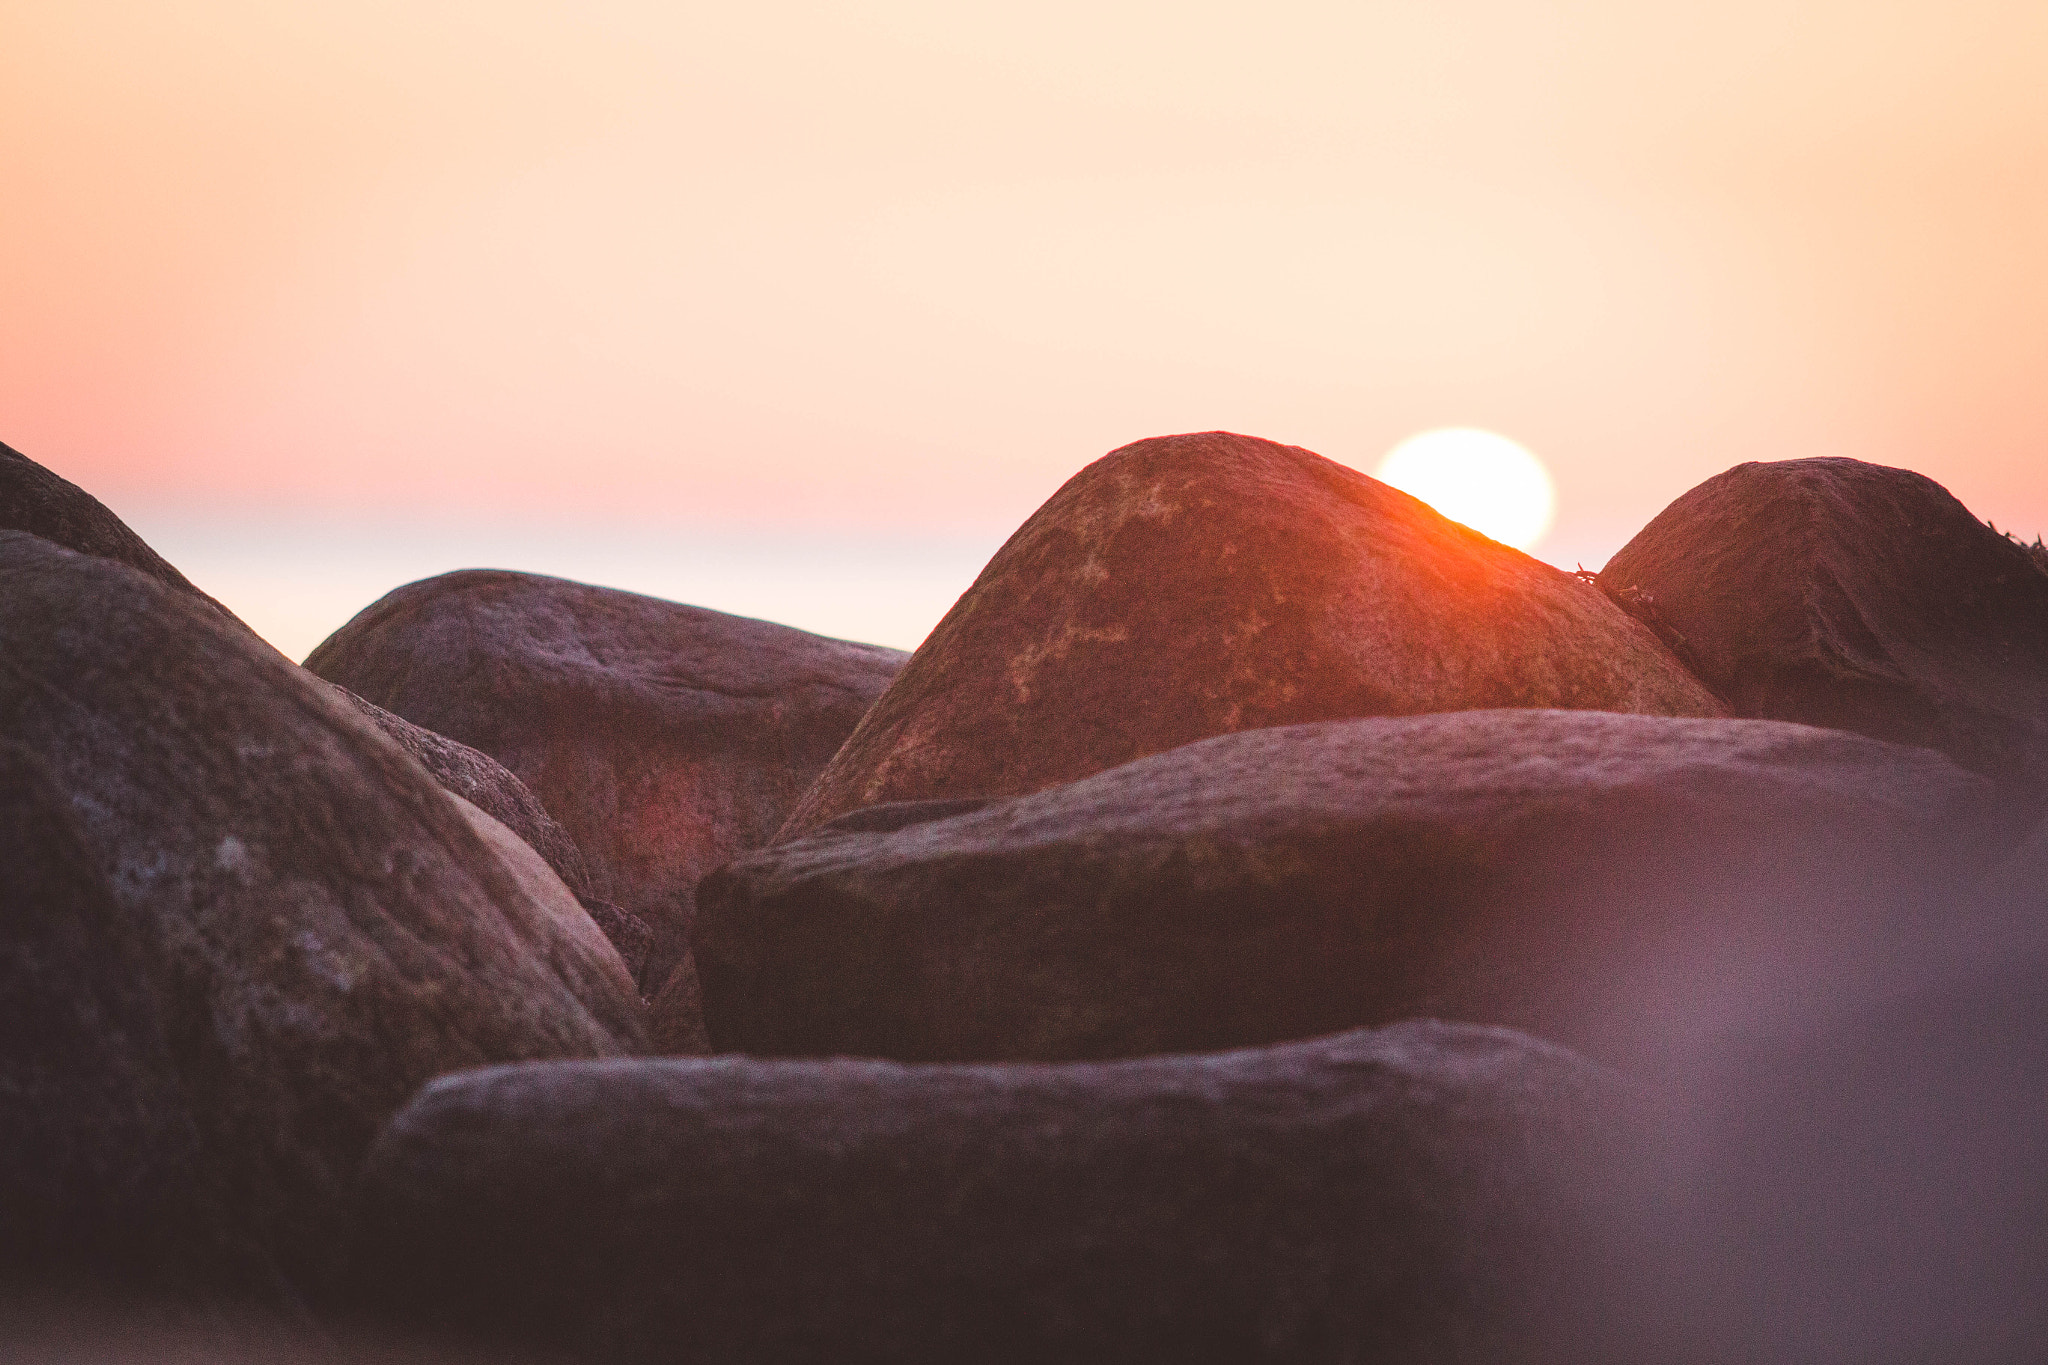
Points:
(797, 310)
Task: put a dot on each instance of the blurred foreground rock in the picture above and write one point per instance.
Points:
(241, 927)
(1423, 1193)
(1190, 586)
(1511, 867)
(1862, 1174)
(1859, 597)
(666, 738)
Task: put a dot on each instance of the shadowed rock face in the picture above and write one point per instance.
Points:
(1859, 597)
(242, 927)
(1507, 867)
(1191, 586)
(1413, 1194)
(35, 500)
(88, 1072)
(665, 737)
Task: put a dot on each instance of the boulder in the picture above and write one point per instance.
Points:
(241, 927)
(42, 503)
(1413, 1194)
(35, 500)
(1507, 867)
(1191, 586)
(675, 1017)
(480, 781)
(628, 933)
(1854, 596)
(100, 1175)
(1876, 1149)
(666, 738)
(488, 785)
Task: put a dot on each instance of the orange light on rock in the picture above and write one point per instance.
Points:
(1478, 478)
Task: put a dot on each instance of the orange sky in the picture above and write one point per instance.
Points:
(893, 270)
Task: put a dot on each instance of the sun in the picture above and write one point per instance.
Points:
(1481, 479)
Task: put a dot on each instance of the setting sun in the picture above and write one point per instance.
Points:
(1478, 478)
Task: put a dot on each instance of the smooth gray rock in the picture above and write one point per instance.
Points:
(1417, 1194)
(241, 927)
(665, 738)
(1524, 868)
(1190, 586)
(1855, 596)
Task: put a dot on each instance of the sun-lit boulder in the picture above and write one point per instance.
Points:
(1190, 586)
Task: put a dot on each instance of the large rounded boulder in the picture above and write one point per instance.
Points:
(665, 737)
(1576, 874)
(43, 503)
(1421, 1193)
(241, 927)
(1855, 596)
(1191, 586)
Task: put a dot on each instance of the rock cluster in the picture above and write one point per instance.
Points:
(1494, 866)
(1191, 586)
(1265, 921)
(241, 928)
(35, 500)
(665, 738)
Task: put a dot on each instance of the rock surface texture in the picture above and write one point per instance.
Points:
(666, 738)
(241, 928)
(1854, 596)
(1190, 586)
(35, 500)
(489, 786)
(1407, 1195)
(1508, 867)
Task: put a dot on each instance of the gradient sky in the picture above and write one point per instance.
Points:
(798, 309)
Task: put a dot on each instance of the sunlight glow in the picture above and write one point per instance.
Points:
(1478, 478)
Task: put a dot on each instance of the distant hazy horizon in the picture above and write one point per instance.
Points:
(713, 298)
(296, 578)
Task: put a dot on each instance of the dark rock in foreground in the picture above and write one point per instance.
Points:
(241, 928)
(87, 1071)
(1508, 867)
(1863, 1177)
(1409, 1195)
(35, 500)
(1190, 586)
(1854, 596)
(666, 738)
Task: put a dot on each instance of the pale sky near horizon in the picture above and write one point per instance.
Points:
(798, 309)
